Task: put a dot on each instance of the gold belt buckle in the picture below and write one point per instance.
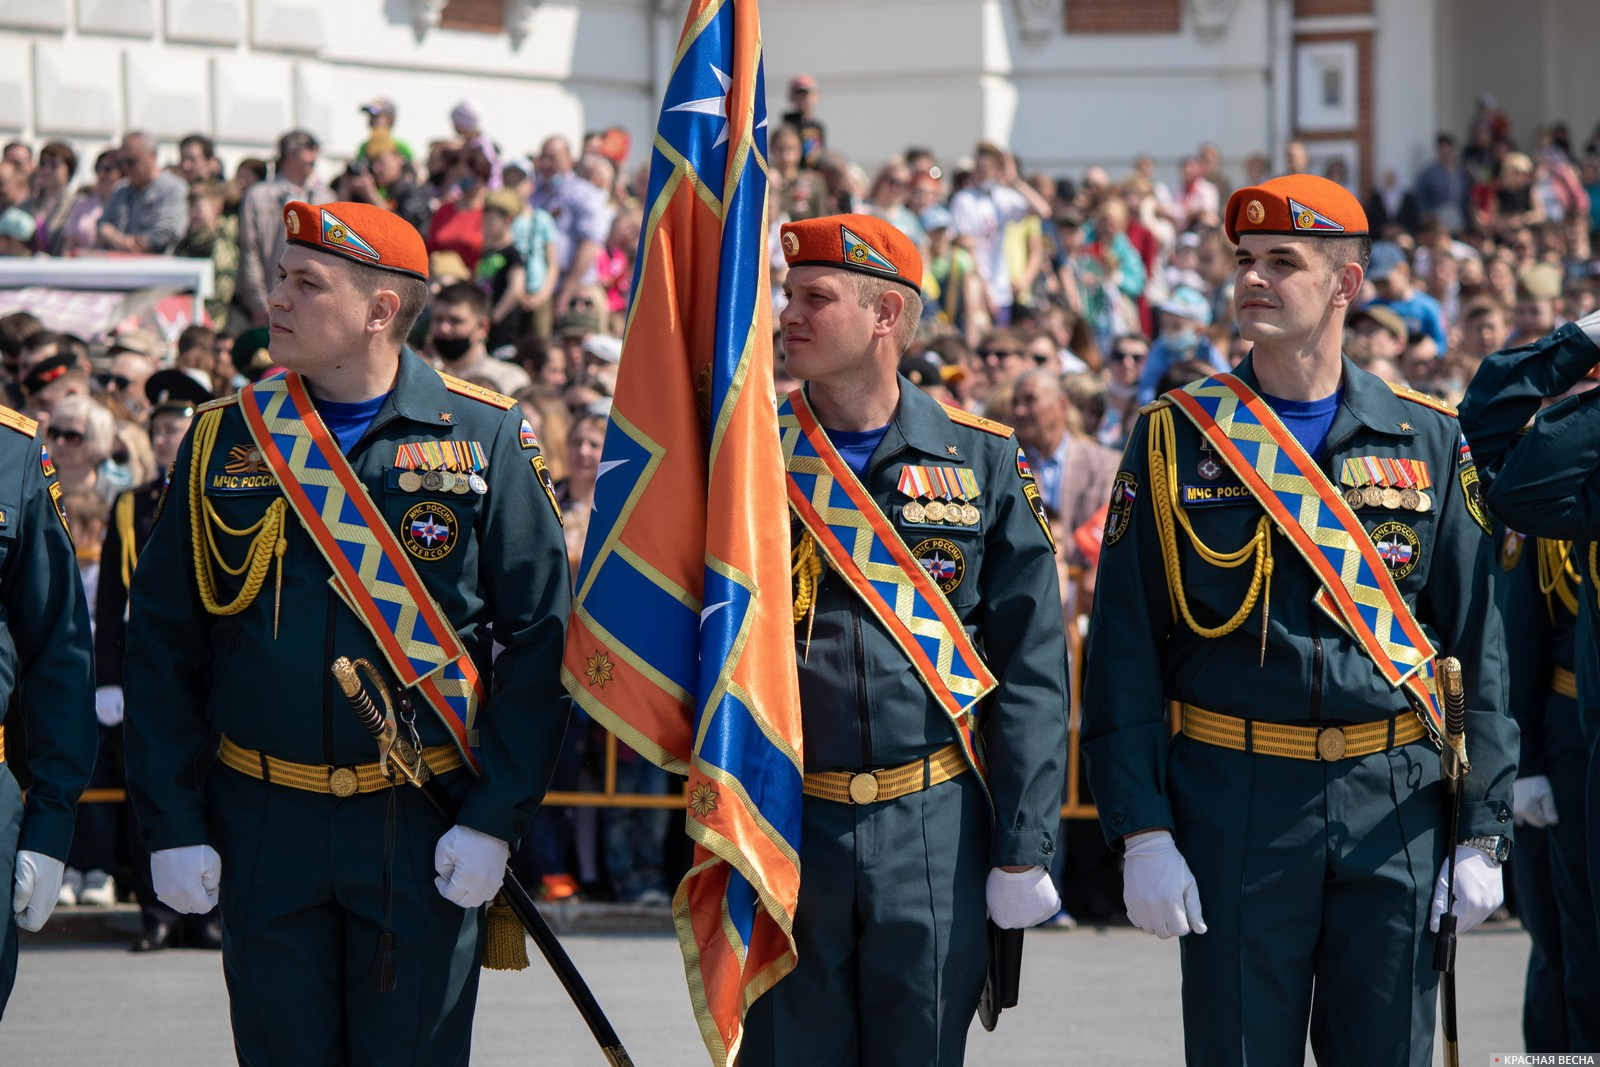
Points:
(343, 782)
(1331, 743)
(864, 788)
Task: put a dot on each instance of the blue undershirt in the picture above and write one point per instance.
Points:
(856, 446)
(1308, 420)
(347, 422)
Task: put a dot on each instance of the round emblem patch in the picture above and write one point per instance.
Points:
(1255, 213)
(943, 561)
(791, 245)
(1398, 547)
(1306, 220)
(428, 531)
(858, 254)
(292, 221)
(335, 235)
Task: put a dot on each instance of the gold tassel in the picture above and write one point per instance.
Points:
(505, 945)
(806, 570)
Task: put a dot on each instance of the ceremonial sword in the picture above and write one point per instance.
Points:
(406, 756)
(1453, 757)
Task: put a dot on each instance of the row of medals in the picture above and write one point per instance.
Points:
(1373, 496)
(443, 481)
(955, 514)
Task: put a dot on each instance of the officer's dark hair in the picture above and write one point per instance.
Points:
(413, 292)
(464, 293)
(1341, 250)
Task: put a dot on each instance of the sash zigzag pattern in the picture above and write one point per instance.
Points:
(371, 572)
(1357, 590)
(864, 548)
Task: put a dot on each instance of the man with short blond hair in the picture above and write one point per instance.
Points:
(352, 913)
(908, 835)
(1287, 550)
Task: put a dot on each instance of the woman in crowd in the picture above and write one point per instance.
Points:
(83, 220)
(52, 201)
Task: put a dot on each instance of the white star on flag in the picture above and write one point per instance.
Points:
(712, 105)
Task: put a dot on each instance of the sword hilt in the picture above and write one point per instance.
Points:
(1453, 694)
(391, 746)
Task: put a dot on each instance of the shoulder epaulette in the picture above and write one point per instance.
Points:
(977, 422)
(220, 402)
(1405, 392)
(1155, 405)
(477, 392)
(18, 422)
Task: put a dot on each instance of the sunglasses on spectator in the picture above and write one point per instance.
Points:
(114, 381)
(1137, 357)
(71, 437)
(998, 353)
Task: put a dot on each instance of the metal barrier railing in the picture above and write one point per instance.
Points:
(1073, 806)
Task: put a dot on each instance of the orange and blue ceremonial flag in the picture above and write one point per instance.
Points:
(681, 640)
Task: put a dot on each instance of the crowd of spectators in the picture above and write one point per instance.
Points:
(1054, 303)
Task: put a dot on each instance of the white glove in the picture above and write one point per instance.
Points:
(1479, 890)
(186, 878)
(38, 884)
(1157, 888)
(1020, 899)
(108, 705)
(1534, 802)
(471, 866)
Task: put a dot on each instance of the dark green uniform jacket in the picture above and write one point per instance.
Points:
(891, 920)
(864, 706)
(261, 676)
(1543, 482)
(1141, 655)
(46, 669)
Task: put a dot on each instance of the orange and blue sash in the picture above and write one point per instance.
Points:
(859, 542)
(1357, 590)
(371, 572)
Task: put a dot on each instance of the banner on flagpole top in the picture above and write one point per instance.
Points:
(681, 640)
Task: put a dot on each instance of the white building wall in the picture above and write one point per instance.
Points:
(1405, 102)
(893, 73)
(946, 73)
(246, 72)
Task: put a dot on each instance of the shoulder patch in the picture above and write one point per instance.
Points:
(477, 392)
(1155, 405)
(18, 422)
(218, 403)
(1405, 392)
(977, 422)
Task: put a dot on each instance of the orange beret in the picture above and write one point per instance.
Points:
(364, 233)
(1297, 205)
(854, 242)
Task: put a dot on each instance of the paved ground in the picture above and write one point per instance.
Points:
(1089, 996)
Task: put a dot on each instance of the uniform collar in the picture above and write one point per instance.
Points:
(1368, 402)
(920, 423)
(419, 394)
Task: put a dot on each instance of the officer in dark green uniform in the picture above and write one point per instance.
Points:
(46, 684)
(1291, 832)
(903, 844)
(1540, 583)
(174, 395)
(351, 912)
(1542, 482)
